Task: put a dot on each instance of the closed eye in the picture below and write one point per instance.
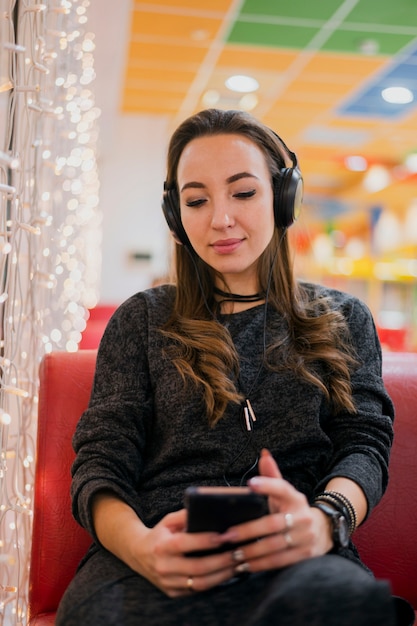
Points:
(245, 194)
(193, 203)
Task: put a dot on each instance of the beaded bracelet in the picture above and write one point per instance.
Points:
(349, 506)
(339, 506)
(343, 505)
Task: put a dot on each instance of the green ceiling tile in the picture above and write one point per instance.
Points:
(306, 9)
(275, 35)
(398, 13)
(345, 40)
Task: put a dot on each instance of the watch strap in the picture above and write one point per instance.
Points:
(339, 524)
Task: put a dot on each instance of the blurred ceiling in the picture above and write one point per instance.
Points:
(321, 66)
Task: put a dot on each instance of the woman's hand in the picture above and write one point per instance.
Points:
(292, 532)
(159, 553)
(161, 557)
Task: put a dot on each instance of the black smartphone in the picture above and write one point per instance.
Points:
(219, 508)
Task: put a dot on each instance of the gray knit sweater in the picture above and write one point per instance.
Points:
(145, 434)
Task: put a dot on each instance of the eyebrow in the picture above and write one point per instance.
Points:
(230, 179)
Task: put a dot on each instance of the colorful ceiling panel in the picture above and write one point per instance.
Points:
(321, 68)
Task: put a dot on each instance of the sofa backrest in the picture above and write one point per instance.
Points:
(387, 542)
(58, 542)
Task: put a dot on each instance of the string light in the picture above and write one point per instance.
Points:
(50, 240)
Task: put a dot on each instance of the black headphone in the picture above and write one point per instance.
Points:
(288, 196)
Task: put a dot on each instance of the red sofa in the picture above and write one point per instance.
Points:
(97, 321)
(387, 542)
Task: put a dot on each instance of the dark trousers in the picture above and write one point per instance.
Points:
(325, 591)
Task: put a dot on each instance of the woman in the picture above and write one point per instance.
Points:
(236, 374)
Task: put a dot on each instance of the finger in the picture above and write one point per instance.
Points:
(181, 585)
(206, 572)
(268, 466)
(282, 496)
(268, 486)
(176, 520)
(277, 551)
(200, 542)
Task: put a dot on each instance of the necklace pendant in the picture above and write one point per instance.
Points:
(249, 414)
(247, 418)
(250, 409)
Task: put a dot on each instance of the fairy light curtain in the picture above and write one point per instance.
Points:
(49, 240)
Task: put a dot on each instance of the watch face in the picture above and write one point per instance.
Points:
(342, 531)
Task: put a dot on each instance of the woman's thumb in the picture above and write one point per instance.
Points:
(268, 466)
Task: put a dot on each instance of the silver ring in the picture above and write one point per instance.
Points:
(190, 583)
(289, 521)
(237, 555)
(242, 568)
(288, 540)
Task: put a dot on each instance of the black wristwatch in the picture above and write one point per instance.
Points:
(340, 530)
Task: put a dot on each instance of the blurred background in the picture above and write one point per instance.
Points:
(337, 79)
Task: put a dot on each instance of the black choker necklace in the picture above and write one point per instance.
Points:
(235, 297)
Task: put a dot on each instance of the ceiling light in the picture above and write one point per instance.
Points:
(410, 223)
(248, 102)
(210, 98)
(356, 163)
(200, 34)
(411, 162)
(388, 233)
(397, 95)
(376, 178)
(369, 46)
(355, 248)
(241, 83)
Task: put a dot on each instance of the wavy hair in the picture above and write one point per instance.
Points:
(202, 348)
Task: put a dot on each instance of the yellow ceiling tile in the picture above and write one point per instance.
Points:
(321, 87)
(289, 108)
(352, 123)
(387, 149)
(162, 108)
(136, 73)
(171, 55)
(174, 26)
(409, 123)
(287, 128)
(256, 58)
(346, 67)
(160, 90)
(216, 80)
(134, 101)
(323, 96)
(287, 122)
(156, 87)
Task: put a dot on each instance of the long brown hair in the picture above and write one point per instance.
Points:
(203, 350)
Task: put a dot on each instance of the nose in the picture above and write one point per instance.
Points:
(222, 216)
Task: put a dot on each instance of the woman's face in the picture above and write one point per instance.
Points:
(226, 202)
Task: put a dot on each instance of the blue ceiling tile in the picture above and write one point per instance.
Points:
(368, 102)
(405, 71)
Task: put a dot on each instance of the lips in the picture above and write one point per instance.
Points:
(226, 246)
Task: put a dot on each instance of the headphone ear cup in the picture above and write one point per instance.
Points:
(171, 209)
(288, 196)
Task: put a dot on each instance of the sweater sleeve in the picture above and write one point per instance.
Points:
(111, 434)
(362, 441)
